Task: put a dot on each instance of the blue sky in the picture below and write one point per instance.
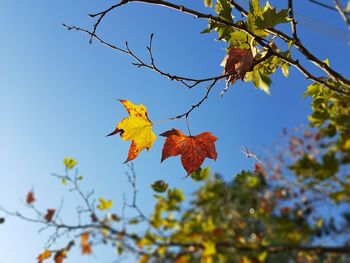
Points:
(59, 98)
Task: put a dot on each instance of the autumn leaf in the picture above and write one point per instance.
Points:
(104, 204)
(45, 255)
(93, 218)
(85, 245)
(49, 214)
(60, 255)
(30, 198)
(238, 61)
(257, 167)
(136, 128)
(193, 149)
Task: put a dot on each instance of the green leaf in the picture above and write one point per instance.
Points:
(206, 31)
(224, 10)
(201, 174)
(326, 61)
(254, 8)
(251, 22)
(176, 195)
(120, 248)
(270, 18)
(239, 39)
(64, 181)
(285, 69)
(260, 80)
(159, 186)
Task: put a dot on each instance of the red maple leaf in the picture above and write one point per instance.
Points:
(238, 61)
(193, 149)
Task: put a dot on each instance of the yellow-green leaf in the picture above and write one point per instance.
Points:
(347, 144)
(208, 3)
(69, 163)
(104, 204)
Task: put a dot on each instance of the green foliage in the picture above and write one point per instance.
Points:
(268, 17)
(224, 10)
(201, 174)
(159, 186)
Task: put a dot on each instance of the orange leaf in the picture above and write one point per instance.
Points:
(193, 149)
(30, 198)
(136, 128)
(257, 167)
(45, 255)
(60, 255)
(238, 61)
(85, 245)
(49, 214)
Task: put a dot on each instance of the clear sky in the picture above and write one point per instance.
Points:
(58, 97)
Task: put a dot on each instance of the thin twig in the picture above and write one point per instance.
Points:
(292, 22)
(342, 12)
(326, 6)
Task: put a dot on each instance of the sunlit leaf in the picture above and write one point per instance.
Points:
(104, 204)
(208, 3)
(45, 255)
(237, 61)
(85, 244)
(193, 149)
(69, 163)
(136, 128)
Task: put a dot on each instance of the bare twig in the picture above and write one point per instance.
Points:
(292, 22)
(342, 12)
(326, 6)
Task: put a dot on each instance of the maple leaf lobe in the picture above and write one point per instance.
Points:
(193, 149)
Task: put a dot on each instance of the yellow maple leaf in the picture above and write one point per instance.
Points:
(136, 128)
(104, 204)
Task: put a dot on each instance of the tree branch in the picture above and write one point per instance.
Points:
(342, 12)
(292, 22)
(308, 55)
(263, 42)
(326, 6)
